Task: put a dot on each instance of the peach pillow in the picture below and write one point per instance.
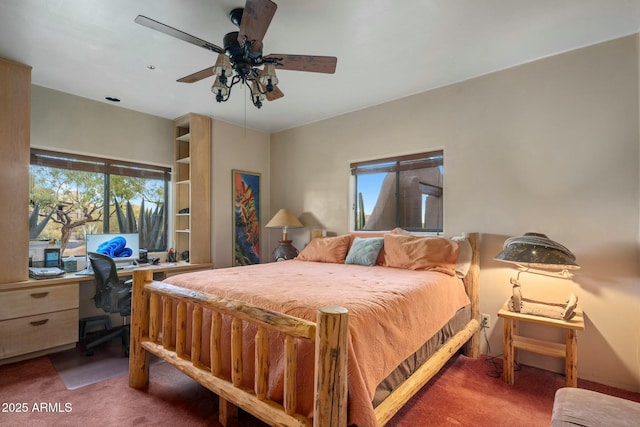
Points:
(326, 249)
(465, 252)
(421, 253)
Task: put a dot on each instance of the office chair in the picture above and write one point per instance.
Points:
(112, 296)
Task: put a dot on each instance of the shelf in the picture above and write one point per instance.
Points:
(182, 122)
(539, 346)
(192, 187)
(576, 323)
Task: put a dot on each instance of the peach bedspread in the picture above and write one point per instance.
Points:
(392, 312)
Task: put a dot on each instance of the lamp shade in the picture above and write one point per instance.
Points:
(284, 219)
(268, 73)
(536, 250)
(218, 88)
(222, 66)
(255, 91)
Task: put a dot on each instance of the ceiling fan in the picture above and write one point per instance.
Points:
(241, 59)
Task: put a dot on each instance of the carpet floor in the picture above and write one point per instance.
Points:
(77, 370)
(464, 393)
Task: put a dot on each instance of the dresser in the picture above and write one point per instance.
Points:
(38, 316)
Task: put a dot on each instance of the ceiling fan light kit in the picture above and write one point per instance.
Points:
(241, 59)
(268, 77)
(223, 68)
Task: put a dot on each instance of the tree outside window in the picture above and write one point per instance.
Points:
(72, 196)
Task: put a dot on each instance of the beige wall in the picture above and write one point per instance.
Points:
(242, 149)
(64, 122)
(551, 146)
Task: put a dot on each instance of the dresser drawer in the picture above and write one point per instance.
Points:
(33, 333)
(30, 301)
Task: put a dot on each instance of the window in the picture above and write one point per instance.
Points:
(73, 195)
(404, 191)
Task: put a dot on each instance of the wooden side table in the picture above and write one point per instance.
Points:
(514, 342)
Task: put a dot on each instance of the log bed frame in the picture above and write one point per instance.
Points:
(329, 334)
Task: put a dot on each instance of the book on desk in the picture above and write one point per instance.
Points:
(45, 272)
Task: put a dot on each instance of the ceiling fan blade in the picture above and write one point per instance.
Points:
(159, 26)
(256, 17)
(316, 64)
(197, 76)
(276, 93)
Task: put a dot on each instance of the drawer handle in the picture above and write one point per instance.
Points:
(40, 295)
(39, 322)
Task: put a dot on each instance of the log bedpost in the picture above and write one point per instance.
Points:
(330, 381)
(138, 357)
(472, 286)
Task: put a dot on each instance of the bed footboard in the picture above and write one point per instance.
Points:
(150, 336)
(158, 307)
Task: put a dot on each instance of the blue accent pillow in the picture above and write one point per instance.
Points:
(364, 251)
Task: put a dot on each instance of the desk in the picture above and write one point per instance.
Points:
(513, 341)
(41, 316)
(165, 269)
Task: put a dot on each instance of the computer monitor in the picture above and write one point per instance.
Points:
(124, 248)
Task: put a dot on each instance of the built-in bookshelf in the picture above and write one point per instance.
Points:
(192, 188)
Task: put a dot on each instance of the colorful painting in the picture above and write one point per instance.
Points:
(246, 217)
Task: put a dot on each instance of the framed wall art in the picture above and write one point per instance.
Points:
(246, 217)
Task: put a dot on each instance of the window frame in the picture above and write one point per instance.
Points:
(107, 167)
(398, 164)
(80, 162)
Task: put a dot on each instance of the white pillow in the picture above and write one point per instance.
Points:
(463, 264)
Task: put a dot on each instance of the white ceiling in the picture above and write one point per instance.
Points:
(386, 49)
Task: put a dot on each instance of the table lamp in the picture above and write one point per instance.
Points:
(537, 251)
(284, 219)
